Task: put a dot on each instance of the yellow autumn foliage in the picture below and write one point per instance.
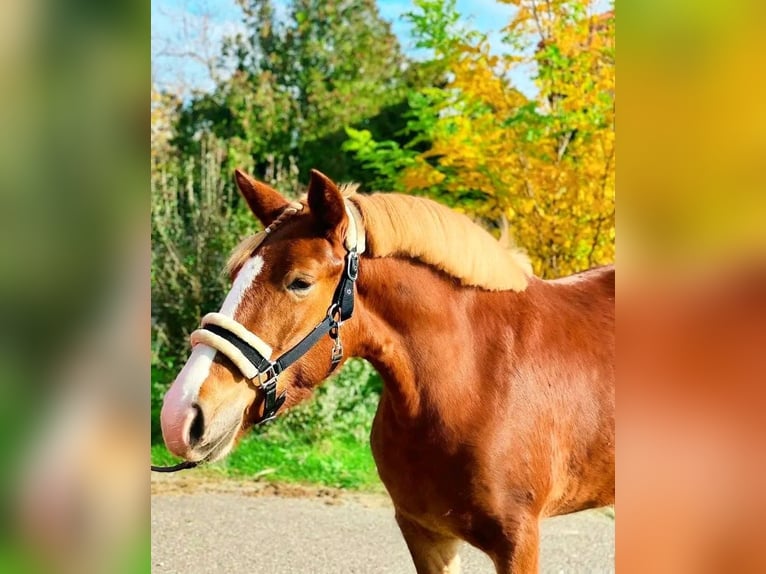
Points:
(544, 167)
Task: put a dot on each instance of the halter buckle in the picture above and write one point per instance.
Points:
(337, 352)
(271, 401)
(266, 378)
(336, 355)
(352, 265)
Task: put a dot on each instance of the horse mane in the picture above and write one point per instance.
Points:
(404, 225)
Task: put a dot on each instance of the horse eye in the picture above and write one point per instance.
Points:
(299, 285)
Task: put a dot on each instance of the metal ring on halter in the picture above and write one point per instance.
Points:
(265, 377)
(334, 312)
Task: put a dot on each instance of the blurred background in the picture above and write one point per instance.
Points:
(74, 285)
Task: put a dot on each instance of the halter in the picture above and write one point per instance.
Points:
(251, 355)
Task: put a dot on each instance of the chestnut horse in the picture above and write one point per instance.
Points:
(498, 401)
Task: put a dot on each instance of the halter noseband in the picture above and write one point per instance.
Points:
(251, 355)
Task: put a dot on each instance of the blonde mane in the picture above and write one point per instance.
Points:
(403, 225)
(397, 224)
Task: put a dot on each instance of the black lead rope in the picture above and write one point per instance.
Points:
(176, 467)
(342, 308)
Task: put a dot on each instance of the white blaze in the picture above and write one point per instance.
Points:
(189, 381)
(245, 278)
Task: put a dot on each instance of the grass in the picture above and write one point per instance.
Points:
(341, 462)
(323, 441)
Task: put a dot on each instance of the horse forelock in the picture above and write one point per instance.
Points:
(245, 249)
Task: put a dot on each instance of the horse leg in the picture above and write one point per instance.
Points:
(432, 553)
(521, 553)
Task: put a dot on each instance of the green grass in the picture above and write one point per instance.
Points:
(341, 462)
(324, 441)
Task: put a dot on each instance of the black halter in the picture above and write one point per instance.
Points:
(341, 309)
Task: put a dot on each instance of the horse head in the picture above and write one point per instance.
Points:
(283, 310)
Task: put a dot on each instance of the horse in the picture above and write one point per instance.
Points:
(497, 407)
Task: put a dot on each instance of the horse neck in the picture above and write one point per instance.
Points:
(416, 326)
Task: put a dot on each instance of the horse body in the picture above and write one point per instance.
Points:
(498, 407)
(498, 399)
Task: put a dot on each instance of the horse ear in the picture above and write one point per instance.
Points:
(265, 202)
(325, 200)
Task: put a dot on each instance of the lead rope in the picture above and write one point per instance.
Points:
(176, 467)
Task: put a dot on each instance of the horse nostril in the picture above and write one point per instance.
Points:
(197, 428)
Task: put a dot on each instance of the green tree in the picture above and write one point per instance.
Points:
(298, 83)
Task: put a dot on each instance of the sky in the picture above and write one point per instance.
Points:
(181, 27)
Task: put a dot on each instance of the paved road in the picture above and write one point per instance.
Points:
(223, 530)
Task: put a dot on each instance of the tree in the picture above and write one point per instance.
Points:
(297, 83)
(163, 116)
(544, 165)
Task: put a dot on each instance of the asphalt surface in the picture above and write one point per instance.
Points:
(240, 530)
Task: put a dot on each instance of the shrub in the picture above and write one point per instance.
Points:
(342, 406)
